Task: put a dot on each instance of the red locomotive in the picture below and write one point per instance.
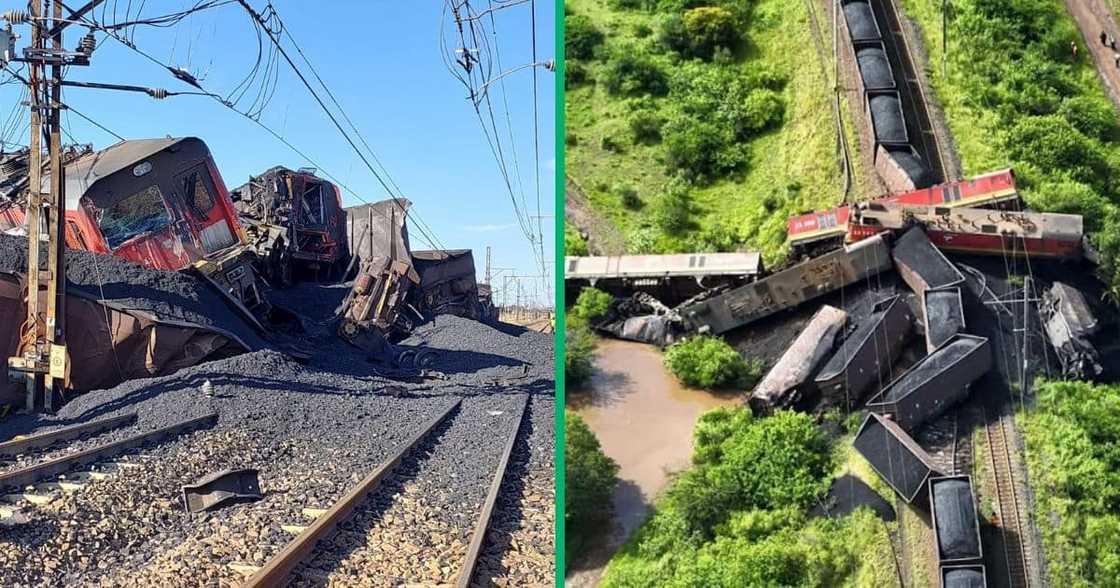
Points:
(975, 230)
(160, 203)
(829, 225)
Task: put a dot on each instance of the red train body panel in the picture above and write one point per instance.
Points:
(158, 202)
(975, 230)
(987, 189)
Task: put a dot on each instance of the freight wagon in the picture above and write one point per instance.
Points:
(866, 356)
(967, 576)
(922, 266)
(832, 225)
(956, 527)
(975, 230)
(934, 384)
(667, 277)
(895, 456)
(788, 288)
(943, 314)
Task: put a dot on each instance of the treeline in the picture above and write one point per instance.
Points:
(739, 516)
(1073, 454)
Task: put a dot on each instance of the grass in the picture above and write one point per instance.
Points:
(975, 129)
(791, 169)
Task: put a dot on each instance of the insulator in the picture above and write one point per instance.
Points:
(87, 44)
(17, 16)
(157, 93)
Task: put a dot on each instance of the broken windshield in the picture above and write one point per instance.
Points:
(143, 212)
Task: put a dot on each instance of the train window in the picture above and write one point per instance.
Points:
(988, 229)
(142, 212)
(312, 205)
(197, 191)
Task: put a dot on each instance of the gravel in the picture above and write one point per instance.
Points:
(313, 429)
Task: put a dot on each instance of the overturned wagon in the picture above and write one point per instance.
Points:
(895, 456)
(866, 356)
(943, 314)
(936, 383)
(922, 266)
(789, 288)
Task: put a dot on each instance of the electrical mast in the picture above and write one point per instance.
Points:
(42, 352)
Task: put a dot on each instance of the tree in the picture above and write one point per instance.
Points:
(581, 37)
(708, 28)
(590, 480)
(671, 212)
(709, 362)
(579, 347)
(591, 304)
(631, 72)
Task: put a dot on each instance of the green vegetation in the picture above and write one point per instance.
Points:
(591, 304)
(739, 517)
(709, 362)
(1015, 96)
(579, 347)
(590, 480)
(715, 113)
(1073, 456)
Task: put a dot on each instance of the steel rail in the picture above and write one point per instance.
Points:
(41, 471)
(19, 445)
(475, 548)
(277, 569)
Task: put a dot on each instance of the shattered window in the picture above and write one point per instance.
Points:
(314, 212)
(197, 193)
(143, 212)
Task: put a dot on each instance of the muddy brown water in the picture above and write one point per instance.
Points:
(643, 418)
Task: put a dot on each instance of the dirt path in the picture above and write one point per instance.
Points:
(603, 238)
(1092, 17)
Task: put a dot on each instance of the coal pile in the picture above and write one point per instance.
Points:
(874, 68)
(964, 578)
(169, 296)
(928, 368)
(861, 21)
(944, 316)
(313, 429)
(886, 117)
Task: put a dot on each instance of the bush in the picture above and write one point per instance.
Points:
(581, 37)
(591, 304)
(575, 74)
(1092, 116)
(645, 126)
(630, 72)
(709, 362)
(672, 212)
(590, 481)
(628, 195)
(708, 28)
(702, 151)
(1052, 143)
(579, 347)
(609, 143)
(575, 244)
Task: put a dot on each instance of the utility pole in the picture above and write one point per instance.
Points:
(487, 265)
(42, 359)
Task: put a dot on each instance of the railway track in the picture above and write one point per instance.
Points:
(913, 91)
(316, 548)
(1010, 515)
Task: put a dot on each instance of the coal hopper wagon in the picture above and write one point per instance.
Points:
(895, 456)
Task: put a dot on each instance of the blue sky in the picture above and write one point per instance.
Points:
(382, 60)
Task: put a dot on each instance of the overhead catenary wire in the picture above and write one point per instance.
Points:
(424, 235)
